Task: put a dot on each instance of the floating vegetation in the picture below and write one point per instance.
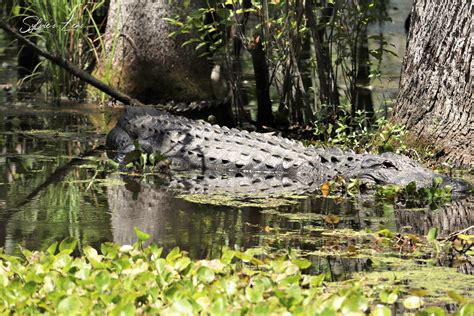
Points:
(242, 201)
(133, 279)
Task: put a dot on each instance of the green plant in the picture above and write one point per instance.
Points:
(379, 137)
(412, 197)
(131, 279)
(65, 28)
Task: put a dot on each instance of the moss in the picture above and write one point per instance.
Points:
(238, 201)
(406, 274)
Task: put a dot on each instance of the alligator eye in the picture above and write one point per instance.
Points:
(388, 164)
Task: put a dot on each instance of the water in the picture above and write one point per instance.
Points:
(49, 191)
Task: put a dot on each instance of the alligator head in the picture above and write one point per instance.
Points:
(390, 168)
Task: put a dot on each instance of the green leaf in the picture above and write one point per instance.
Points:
(68, 245)
(412, 302)
(302, 263)
(182, 263)
(227, 256)
(102, 281)
(174, 254)
(183, 307)
(141, 235)
(380, 310)
(205, 274)
(434, 311)
(155, 250)
(467, 310)
(52, 249)
(124, 310)
(218, 306)
(411, 188)
(457, 297)
(109, 250)
(437, 182)
(254, 293)
(70, 305)
(432, 234)
(132, 156)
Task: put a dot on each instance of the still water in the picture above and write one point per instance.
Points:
(52, 187)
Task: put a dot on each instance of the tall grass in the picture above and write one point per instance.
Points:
(69, 31)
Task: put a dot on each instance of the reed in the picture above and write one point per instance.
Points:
(67, 28)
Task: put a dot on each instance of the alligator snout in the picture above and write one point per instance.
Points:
(458, 185)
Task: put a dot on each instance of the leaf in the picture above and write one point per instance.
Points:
(132, 156)
(102, 280)
(70, 305)
(437, 182)
(183, 307)
(325, 189)
(227, 256)
(434, 311)
(205, 275)
(419, 292)
(467, 310)
(182, 263)
(124, 310)
(68, 245)
(52, 249)
(457, 297)
(174, 254)
(218, 307)
(432, 234)
(381, 310)
(412, 302)
(302, 263)
(254, 293)
(411, 189)
(141, 235)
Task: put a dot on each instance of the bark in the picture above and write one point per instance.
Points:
(149, 64)
(262, 83)
(435, 98)
(453, 217)
(328, 87)
(362, 95)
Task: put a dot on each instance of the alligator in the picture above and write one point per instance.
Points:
(235, 160)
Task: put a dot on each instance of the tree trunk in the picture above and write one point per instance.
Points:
(262, 83)
(328, 86)
(146, 62)
(455, 216)
(435, 100)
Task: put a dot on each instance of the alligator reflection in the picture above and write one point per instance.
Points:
(34, 146)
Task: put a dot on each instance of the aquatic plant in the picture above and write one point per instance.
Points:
(131, 279)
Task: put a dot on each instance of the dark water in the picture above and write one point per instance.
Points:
(47, 192)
